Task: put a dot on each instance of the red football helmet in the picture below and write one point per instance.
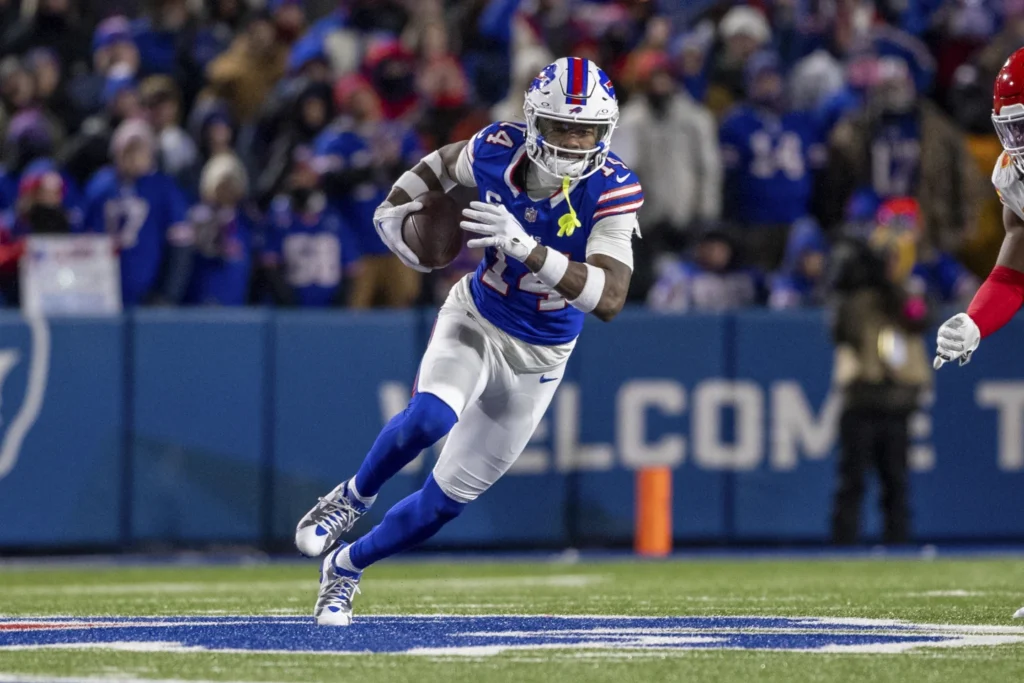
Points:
(1008, 107)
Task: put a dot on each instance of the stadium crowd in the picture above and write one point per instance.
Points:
(236, 153)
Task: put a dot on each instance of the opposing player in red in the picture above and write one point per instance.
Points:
(1002, 294)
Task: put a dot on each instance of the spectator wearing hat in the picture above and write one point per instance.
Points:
(177, 155)
(39, 210)
(211, 127)
(690, 56)
(713, 279)
(391, 70)
(802, 280)
(245, 75)
(223, 227)
(112, 47)
(85, 153)
(669, 140)
(771, 157)
(311, 110)
(145, 213)
(743, 32)
(359, 157)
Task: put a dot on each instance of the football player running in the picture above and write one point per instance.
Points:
(556, 217)
(1002, 293)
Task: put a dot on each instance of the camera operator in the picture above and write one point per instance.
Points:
(882, 367)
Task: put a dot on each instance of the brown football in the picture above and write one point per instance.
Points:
(433, 232)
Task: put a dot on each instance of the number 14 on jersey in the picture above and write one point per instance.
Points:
(547, 298)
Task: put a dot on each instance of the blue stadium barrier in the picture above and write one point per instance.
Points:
(192, 426)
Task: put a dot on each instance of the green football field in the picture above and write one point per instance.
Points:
(250, 622)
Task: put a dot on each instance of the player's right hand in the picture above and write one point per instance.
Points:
(958, 338)
(388, 219)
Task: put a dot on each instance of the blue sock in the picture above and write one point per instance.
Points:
(413, 520)
(424, 421)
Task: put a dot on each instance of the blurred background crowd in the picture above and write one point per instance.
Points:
(236, 152)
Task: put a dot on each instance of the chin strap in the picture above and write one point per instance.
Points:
(568, 223)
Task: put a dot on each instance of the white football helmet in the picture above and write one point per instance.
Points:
(570, 90)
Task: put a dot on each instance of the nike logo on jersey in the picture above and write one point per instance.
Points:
(545, 380)
(622, 178)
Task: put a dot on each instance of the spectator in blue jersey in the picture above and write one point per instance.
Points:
(359, 157)
(713, 280)
(771, 156)
(902, 145)
(308, 247)
(145, 212)
(801, 281)
(223, 227)
(690, 53)
(165, 36)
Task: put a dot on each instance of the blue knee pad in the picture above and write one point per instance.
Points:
(427, 419)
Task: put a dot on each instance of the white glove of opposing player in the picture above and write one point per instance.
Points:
(958, 338)
(1008, 184)
(501, 228)
(388, 219)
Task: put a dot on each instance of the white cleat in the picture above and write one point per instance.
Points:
(320, 529)
(1019, 614)
(337, 588)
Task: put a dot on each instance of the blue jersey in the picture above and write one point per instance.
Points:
(345, 147)
(313, 248)
(504, 290)
(223, 256)
(770, 163)
(143, 216)
(896, 156)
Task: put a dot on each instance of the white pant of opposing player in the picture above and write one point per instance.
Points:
(499, 387)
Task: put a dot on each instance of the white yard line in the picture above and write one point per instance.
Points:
(246, 587)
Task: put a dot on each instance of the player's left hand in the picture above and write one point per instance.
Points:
(501, 228)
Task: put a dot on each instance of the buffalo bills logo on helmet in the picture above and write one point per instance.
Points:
(606, 83)
(576, 110)
(544, 77)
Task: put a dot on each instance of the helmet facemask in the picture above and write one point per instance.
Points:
(543, 131)
(1009, 127)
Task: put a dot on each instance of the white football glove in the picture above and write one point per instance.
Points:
(1008, 184)
(501, 228)
(388, 219)
(958, 338)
